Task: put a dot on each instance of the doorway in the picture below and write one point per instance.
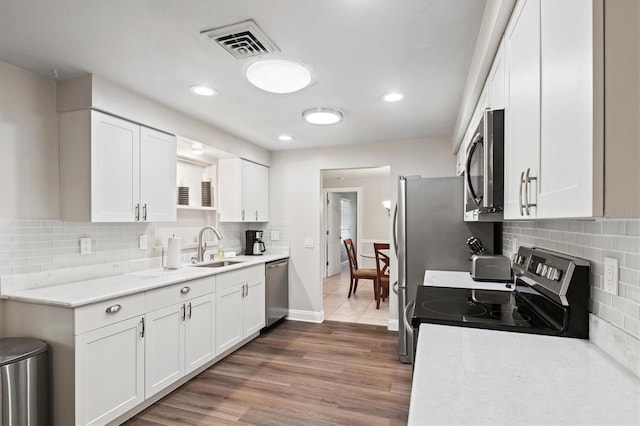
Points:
(357, 212)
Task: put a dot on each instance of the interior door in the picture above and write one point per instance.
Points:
(333, 233)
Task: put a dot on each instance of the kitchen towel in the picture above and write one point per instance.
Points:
(173, 253)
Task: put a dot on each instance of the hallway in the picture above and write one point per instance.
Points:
(360, 308)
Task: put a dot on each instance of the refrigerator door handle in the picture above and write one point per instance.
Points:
(395, 230)
(395, 287)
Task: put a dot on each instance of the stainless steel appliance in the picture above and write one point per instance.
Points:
(551, 296)
(484, 170)
(277, 290)
(254, 244)
(430, 233)
(494, 268)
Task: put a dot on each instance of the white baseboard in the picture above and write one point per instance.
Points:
(305, 316)
(393, 324)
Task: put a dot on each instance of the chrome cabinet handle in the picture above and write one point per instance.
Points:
(186, 289)
(137, 214)
(247, 289)
(256, 215)
(242, 215)
(113, 309)
(520, 194)
(189, 309)
(528, 180)
(242, 295)
(183, 312)
(144, 212)
(142, 330)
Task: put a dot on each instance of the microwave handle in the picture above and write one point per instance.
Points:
(467, 169)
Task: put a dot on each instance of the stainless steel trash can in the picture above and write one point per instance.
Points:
(24, 382)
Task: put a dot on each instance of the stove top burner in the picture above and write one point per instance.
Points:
(454, 308)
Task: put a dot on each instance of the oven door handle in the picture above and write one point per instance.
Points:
(467, 169)
(405, 318)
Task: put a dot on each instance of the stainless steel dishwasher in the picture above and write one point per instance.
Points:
(277, 290)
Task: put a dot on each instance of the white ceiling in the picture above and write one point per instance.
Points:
(357, 50)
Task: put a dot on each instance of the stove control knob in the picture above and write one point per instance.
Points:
(549, 273)
(539, 269)
(545, 268)
(556, 274)
(514, 258)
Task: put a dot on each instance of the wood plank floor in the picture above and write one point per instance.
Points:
(298, 373)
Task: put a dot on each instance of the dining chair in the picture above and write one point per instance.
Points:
(359, 273)
(382, 271)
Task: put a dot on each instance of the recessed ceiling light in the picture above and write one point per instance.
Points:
(323, 116)
(203, 90)
(392, 97)
(285, 138)
(278, 75)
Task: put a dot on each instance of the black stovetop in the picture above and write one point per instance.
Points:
(518, 310)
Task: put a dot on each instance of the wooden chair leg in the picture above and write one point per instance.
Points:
(376, 291)
(355, 285)
(350, 288)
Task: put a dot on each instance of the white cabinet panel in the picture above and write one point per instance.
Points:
(254, 307)
(157, 176)
(109, 372)
(164, 359)
(229, 317)
(200, 346)
(497, 81)
(243, 193)
(567, 110)
(522, 114)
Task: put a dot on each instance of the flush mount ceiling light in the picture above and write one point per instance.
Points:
(278, 75)
(392, 97)
(285, 138)
(203, 90)
(323, 116)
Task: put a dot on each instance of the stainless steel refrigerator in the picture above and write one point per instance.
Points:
(431, 233)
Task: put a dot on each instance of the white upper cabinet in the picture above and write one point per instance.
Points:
(112, 170)
(496, 81)
(570, 133)
(243, 194)
(522, 110)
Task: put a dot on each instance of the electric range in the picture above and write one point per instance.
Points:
(549, 295)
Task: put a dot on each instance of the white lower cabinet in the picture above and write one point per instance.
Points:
(109, 357)
(240, 306)
(109, 371)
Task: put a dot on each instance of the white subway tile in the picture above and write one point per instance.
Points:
(626, 244)
(630, 292)
(612, 315)
(593, 227)
(632, 261)
(625, 306)
(601, 296)
(26, 269)
(583, 240)
(576, 226)
(633, 228)
(613, 227)
(632, 326)
(629, 276)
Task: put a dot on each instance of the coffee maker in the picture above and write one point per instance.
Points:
(255, 245)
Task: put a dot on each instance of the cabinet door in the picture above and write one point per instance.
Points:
(567, 107)
(262, 192)
(522, 121)
(229, 190)
(164, 348)
(254, 307)
(109, 371)
(228, 324)
(115, 176)
(200, 332)
(157, 176)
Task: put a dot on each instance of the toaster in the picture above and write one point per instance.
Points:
(490, 268)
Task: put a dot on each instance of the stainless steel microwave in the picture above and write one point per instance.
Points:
(484, 170)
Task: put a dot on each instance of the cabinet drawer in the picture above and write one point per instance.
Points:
(170, 295)
(110, 311)
(228, 279)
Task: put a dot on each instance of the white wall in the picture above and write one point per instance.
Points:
(28, 145)
(295, 197)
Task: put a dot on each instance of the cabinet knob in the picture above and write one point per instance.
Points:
(113, 309)
(186, 289)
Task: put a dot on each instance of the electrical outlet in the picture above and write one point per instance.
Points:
(611, 275)
(143, 242)
(85, 245)
(275, 235)
(308, 243)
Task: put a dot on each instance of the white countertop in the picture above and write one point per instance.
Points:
(84, 292)
(459, 279)
(468, 376)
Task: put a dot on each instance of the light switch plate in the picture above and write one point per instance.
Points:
(85, 245)
(275, 235)
(143, 242)
(308, 242)
(611, 275)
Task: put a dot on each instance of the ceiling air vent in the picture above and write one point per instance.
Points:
(242, 40)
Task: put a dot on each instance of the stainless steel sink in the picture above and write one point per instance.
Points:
(218, 263)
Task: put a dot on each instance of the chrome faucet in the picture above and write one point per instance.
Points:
(202, 246)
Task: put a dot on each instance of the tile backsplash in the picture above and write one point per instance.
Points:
(41, 245)
(594, 241)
